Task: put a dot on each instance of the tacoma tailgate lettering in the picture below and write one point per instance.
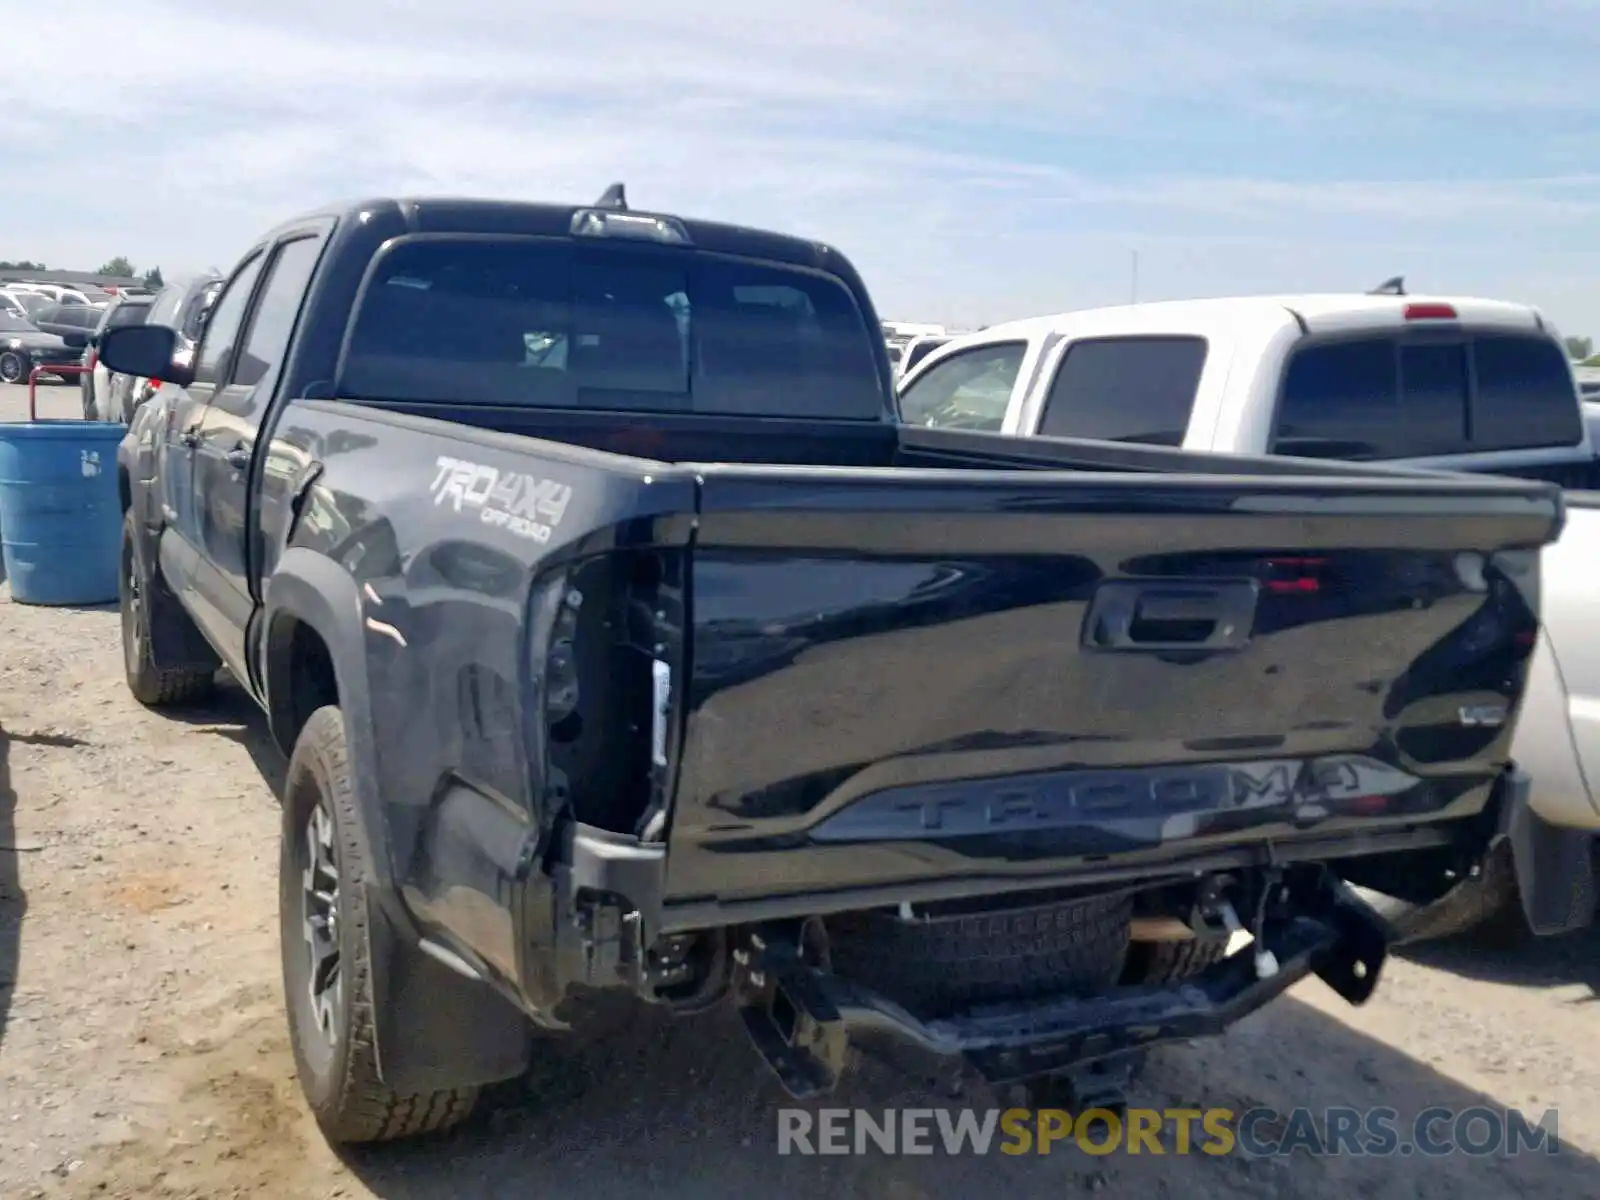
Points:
(1067, 798)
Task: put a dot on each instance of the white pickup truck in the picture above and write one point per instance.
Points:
(1440, 382)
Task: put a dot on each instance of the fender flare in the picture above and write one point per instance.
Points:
(312, 589)
(435, 1029)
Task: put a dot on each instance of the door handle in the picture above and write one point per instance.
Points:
(1171, 615)
(239, 457)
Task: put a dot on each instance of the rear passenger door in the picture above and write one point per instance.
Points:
(226, 458)
(180, 431)
(70, 323)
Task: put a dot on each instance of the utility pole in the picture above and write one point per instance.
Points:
(1133, 286)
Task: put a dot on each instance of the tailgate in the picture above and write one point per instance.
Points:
(905, 676)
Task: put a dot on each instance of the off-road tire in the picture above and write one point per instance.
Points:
(1003, 950)
(340, 1082)
(153, 686)
(1170, 962)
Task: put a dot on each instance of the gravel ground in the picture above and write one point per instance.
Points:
(143, 1053)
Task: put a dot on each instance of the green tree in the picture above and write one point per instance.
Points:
(117, 266)
(153, 280)
(1579, 348)
(23, 265)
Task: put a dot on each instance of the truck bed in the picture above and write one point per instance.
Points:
(708, 438)
(585, 686)
(958, 663)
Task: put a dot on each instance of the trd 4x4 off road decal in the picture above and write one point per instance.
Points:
(524, 505)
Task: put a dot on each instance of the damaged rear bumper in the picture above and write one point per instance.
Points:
(803, 1019)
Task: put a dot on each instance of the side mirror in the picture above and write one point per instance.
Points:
(144, 350)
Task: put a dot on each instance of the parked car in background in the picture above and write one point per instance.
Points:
(107, 394)
(71, 322)
(918, 348)
(57, 293)
(183, 307)
(29, 302)
(24, 346)
(12, 307)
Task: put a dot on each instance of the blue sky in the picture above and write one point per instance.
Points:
(978, 160)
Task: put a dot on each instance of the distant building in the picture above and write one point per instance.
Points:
(67, 278)
(905, 330)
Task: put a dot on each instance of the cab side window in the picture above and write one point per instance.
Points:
(222, 330)
(969, 390)
(1135, 388)
(274, 321)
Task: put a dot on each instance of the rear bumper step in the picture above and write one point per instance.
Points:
(802, 1018)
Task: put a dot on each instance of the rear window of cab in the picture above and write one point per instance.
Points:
(541, 323)
(1370, 398)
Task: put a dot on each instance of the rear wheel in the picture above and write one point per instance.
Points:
(327, 980)
(136, 594)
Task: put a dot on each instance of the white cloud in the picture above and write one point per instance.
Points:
(926, 139)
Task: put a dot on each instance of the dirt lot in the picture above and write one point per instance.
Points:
(142, 1046)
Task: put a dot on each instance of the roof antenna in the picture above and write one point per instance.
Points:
(615, 197)
(1390, 287)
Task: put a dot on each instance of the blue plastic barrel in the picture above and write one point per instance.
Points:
(60, 519)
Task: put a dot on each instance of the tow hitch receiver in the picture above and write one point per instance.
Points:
(801, 1017)
(789, 1012)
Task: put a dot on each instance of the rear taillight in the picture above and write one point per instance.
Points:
(1430, 312)
(604, 633)
(552, 628)
(561, 690)
(1294, 576)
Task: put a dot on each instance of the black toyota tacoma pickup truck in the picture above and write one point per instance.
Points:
(620, 637)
